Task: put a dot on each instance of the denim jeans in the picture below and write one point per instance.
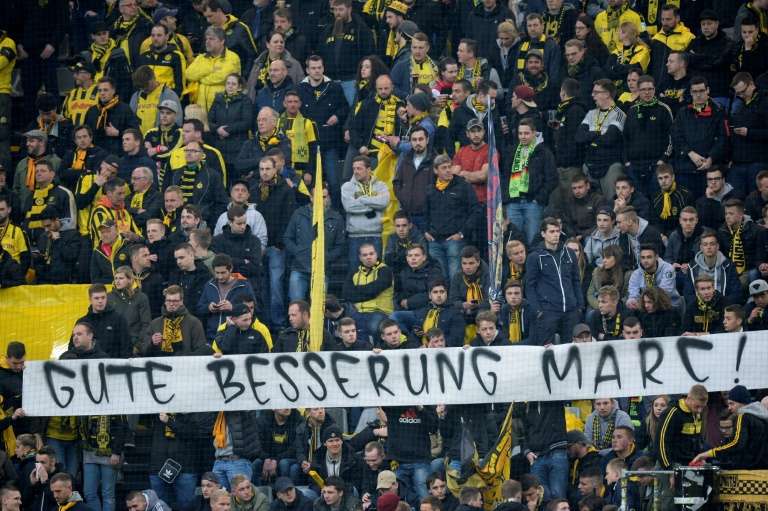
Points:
(414, 476)
(67, 453)
(368, 324)
(227, 469)
(298, 285)
(742, 177)
(526, 216)
(288, 467)
(180, 494)
(448, 253)
(356, 243)
(332, 174)
(552, 470)
(95, 477)
(350, 90)
(406, 320)
(276, 261)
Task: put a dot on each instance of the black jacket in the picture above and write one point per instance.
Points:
(11, 273)
(450, 320)
(586, 72)
(243, 428)
(288, 342)
(363, 121)
(342, 53)
(408, 433)
(681, 249)
(251, 152)
(309, 438)
(703, 132)
(680, 199)
(150, 203)
(660, 324)
(208, 192)
(753, 242)
(39, 24)
(647, 132)
(111, 330)
(299, 235)
(678, 436)
(244, 249)
(453, 210)
(753, 147)
(236, 113)
(276, 209)
(152, 284)
(192, 283)
(482, 24)
(175, 438)
(544, 423)
(709, 58)
(233, 341)
(121, 117)
(349, 469)
(699, 320)
(410, 184)
(301, 503)
(413, 284)
(569, 115)
(319, 103)
(748, 448)
(278, 441)
(69, 176)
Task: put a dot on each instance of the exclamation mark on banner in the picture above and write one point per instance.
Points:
(739, 353)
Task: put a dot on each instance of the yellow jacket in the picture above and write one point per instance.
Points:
(7, 62)
(608, 30)
(210, 73)
(382, 302)
(181, 42)
(678, 40)
(638, 53)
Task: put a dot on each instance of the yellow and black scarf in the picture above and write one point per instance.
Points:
(613, 329)
(649, 278)
(736, 254)
(605, 441)
(707, 313)
(515, 325)
(473, 75)
(527, 45)
(269, 141)
(171, 332)
(104, 109)
(296, 130)
(423, 73)
(666, 197)
(302, 340)
(431, 321)
(265, 188)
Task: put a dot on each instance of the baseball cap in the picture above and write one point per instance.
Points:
(709, 14)
(162, 12)
(283, 483)
(385, 480)
(474, 124)
(212, 477)
(111, 159)
(535, 53)
(169, 104)
(238, 310)
(526, 95)
(107, 224)
(757, 287)
(82, 65)
(581, 328)
(408, 28)
(38, 134)
(576, 436)
(331, 432)
(387, 502)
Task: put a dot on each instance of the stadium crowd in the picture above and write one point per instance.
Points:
(631, 138)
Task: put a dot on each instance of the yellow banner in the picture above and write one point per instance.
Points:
(385, 171)
(41, 317)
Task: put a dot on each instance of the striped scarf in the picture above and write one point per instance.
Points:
(171, 332)
(736, 254)
(605, 441)
(189, 180)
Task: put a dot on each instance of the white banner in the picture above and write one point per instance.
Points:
(403, 377)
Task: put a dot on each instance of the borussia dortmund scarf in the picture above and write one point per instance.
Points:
(605, 441)
(171, 332)
(430, 321)
(104, 109)
(424, 73)
(736, 254)
(649, 278)
(519, 178)
(515, 326)
(298, 135)
(666, 208)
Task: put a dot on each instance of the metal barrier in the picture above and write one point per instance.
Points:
(693, 486)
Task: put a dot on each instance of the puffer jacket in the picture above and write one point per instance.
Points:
(413, 284)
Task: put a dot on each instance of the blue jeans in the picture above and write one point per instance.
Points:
(95, 477)
(356, 243)
(350, 90)
(552, 471)
(288, 467)
(368, 324)
(332, 174)
(526, 216)
(414, 476)
(298, 285)
(276, 261)
(448, 253)
(742, 177)
(179, 495)
(227, 469)
(406, 320)
(67, 453)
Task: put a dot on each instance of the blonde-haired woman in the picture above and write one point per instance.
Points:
(633, 52)
(130, 302)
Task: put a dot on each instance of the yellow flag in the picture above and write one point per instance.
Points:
(385, 172)
(317, 278)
